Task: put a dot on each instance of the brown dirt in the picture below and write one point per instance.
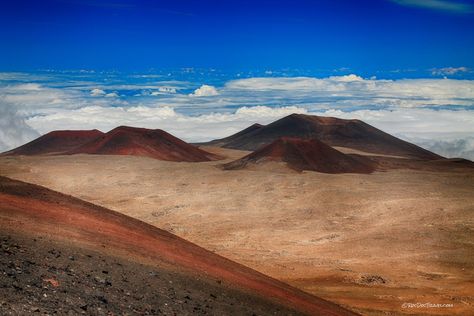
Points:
(370, 242)
(27, 208)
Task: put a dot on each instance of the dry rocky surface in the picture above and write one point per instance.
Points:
(369, 242)
(39, 276)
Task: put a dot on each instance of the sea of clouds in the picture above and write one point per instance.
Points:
(437, 114)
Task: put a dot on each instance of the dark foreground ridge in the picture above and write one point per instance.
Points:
(305, 154)
(44, 276)
(64, 255)
(332, 131)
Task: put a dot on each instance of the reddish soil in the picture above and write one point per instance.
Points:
(30, 209)
(452, 165)
(155, 143)
(353, 134)
(306, 154)
(56, 142)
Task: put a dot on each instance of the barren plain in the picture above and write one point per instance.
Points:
(370, 242)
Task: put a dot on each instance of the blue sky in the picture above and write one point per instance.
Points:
(389, 38)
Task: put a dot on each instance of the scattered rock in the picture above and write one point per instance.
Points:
(372, 279)
(100, 280)
(52, 281)
(102, 299)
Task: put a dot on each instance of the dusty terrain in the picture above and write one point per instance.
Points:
(370, 242)
(55, 225)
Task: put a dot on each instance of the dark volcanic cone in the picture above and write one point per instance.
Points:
(353, 134)
(226, 140)
(306, 154)
(154, 143)
(56, 142)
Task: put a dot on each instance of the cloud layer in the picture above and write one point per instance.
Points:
(13, 129)
(440, 5)
(364, 92)
(435, 113)
(449, 71)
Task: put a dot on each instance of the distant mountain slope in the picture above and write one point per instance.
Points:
(134, 141)
(56, 142)
(306, 154)
(119, 243)
(332, 131)
(223, 141)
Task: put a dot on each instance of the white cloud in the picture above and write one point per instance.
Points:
(22, 76)
(111, 95)
(13, 129)
(27, 87)
(164, 90)
(32, 98)
(448, 133)
(172, 84)
(97, 92)
(346, 78)
(440, 5)
(406, 121)
(353, 90)
(457, 147)
(448, 70)
(265, 111)
(205, 91)
(167, 90)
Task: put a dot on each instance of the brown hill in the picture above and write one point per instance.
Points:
(224, 141)
(56, 142)
(154, 143)
(332, 131)
(306, 154)
(71, 255)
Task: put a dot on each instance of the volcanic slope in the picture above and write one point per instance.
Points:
(305, 154)
(56, 142)
(224, 141)
(336, 132)
(154, 143)
(61, 252)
